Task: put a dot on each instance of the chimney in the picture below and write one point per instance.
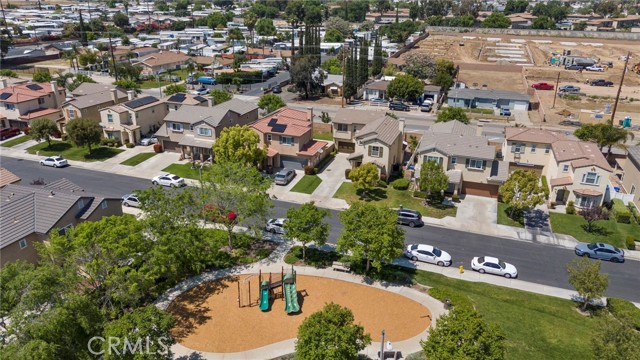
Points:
(401, 125)
(310, 113)
(131, 95)
(54, 89)
(210, 100)
(3, 83)
(114, 96)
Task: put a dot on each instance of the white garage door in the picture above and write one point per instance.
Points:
(520, 105)
(293, 162)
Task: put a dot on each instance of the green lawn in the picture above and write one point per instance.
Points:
(70, 152)
(504, 219)
(153, 84)
(137, 159)
(392, 198)
(307, 184)
(608, 231)
(318, 135)
(536, 326)
(184, 170)
(16, 141)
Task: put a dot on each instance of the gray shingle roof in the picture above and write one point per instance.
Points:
(385, 130)
(471, 94)
(634, 154)
(356, 116)
(210, 115)
(99, 98)
(91, 88)
(457, 145)
(452, 127)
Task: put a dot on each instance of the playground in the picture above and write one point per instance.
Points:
(220, 316)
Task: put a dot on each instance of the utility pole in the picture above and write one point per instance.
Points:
(3, 16)
(624, 71)
(149, 16)
(89, 10)
(555, 94)
(382, 346)
(113, 58)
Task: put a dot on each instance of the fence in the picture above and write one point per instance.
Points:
(537, 32)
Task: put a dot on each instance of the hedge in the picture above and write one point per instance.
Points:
(634, 212)
(621, 212)
(246, 77)
(400, 184)
(545, 186)
(624, 310)
(420, 194)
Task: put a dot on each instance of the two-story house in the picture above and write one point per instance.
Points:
(347, 122)
(29, 213)
(192, 129)
(631, 178)
(88, 106)
(575, 170)
(466, 158)
(130, 120)
(288, 136)
(20, 104)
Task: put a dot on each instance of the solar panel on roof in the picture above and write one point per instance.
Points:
(34, 87)
(273, 122)
(5, 96)
(179, 97)
(279, 128)
(199, 99)
(134, 104)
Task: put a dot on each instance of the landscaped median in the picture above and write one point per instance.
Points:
(606, 231)
(71, 152)
(307, 184)
(137, 159)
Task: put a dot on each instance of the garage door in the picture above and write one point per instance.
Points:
(171, 146)
(487, 190)
(520, 105)
(346, 147)
(292, 162)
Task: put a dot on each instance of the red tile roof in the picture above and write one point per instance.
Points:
(39, 113)
(294, 123)
(21, 93)
(271, 152)
(312, 147)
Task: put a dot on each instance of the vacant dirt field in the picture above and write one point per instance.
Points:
(209, 318)
(492, 77)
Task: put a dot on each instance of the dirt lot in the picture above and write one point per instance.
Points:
(209, 318)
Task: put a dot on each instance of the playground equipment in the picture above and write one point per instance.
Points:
(288, 291)
(291, 304)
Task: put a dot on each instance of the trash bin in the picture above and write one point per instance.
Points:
(447, 304)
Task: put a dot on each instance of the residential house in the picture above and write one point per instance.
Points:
(192, 129)
(574, 170)
(631, 178)
(346, 123)
(333, 85)
(7, 177)
(612, 24)
(432, 92)
(288, 136)
(29, 213)
(467, 159)
(177, 100)
(88, 106)
(521, 20)
(130, 120)
(376, 90)
(161, 62)
(487, 99)
(20, 104)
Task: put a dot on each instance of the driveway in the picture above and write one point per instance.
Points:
(478, 209)
(332, 176)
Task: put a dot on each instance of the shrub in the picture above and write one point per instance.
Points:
(621, 212)
(309, 170)
(571, 209)
(455, 198)
(545, 187)
(383, 177)
(401, 184)
(634, 212)
(25, 130)
(57, 134)
(630, 242)
(420, 194)
(104, 141)
(244, 76)
(624, 310)
(64, 137)
(552, 205)
(130, 145)
(117, 143)
(157, 147)
(458, 300)
(346, 173)
(382, 184)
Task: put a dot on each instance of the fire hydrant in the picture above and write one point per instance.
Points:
(461, 269)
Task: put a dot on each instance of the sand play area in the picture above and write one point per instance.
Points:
(209, 319)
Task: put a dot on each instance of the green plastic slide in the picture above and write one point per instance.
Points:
(291, 304)
(264, 296)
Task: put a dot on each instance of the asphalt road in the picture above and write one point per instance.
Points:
(543, 264)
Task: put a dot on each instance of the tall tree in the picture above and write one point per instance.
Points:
(295, 15)
(330, 334)
(405, 87)
(420, 65)
(363, 64)
(84, 132)
(364, 177)
(585, 277)
(515, 6)
(496, 20)
(238, 145)
(522, 190)
(43, 129)
(432, 178)
(376, 66)
(270, 103)
(370, 232)
(250, 21)
(306, 77)
(306, 225)
(338, 24)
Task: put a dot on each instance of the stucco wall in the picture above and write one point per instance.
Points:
(632, 177)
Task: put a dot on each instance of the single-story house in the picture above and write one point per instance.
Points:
(487, 99)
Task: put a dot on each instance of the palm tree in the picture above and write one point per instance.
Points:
(71, 56)
(617, 137)
(250, 20)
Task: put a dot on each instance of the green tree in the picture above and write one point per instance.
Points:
(43, 129)
(452, 113)
(606, 8)
(238, 145)
(496, 20)
(579, 26)
(306, 225)
(521, 191)
(8, 73)
(250, 21)
(370, 232)
(554, 10)
(120, 20)
(433, 180)
(294, 13)
(271, 103)
(605, 135)
(405, 87)
(339, 25)
(333, 36)
(544, 23)
(332, 66)
(467, 8)
(615, 339)
(325, 117)
(515, 6)
(236, 195)
(331, 334)
(376, 65)
(42, 76)
(265, 27)
(174, 88)
(306, 77)
(444, 80)
(364, 177)
(219, 96)
(585, 277)
(463, 334)
(128, 85)
(435, 8)
(84, 132)
(592, 215)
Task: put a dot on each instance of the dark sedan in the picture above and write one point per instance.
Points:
(396, 105)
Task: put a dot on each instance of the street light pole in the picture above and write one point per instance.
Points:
(382, 346)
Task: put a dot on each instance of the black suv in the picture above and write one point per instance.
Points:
(601, 82)
(396, 105)
(410, 217)
(574, 67)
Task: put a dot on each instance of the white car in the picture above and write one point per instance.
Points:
(55, 161)
(491, 265)
(201, 91)
(131, 200)
(149, 140)
(168, 180)
(428, 253)
(275, 226)
(594, 68)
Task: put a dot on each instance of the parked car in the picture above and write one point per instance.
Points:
(276, 89)
(8, 132)
(284, 176)
(202, 91)
(428, 253)
(594, 68)
(207, 80)
(377, 102)
(148, 140)
(426, 106)
(505, 111)
(569, 89)
(601, 82)
(491, 265)
(396, 105)
(574, 67)
(55, 161)
(410, 217)
(600, 251)
(542, 86)
(131, 200)
(275, 226)
(168, 180)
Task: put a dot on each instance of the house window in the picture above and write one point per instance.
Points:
(633, 190)
(103, 204)
(436, 159)
(585, 201)
(533, 148)
(202, 131)
(64, 230)
(454, 161)
(518, 148)
(547, 149)
(475, 164)
(23, 243)
(81, 203)
(10, 106)
(72, 114)
(342, 127)
(268, 137)
(287, 140)
(110, 118)
(176, 127)
(375, 151)
(591, 178)
(175, 107)
(565, 168)
(167, 107)
(40, 100)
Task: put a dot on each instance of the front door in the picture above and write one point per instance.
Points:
(560, 196)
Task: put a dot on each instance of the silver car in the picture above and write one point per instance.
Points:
(427, 253)
(131, 200)
(492, 265)
(600, 251)
(55, 161)
(275, 226)
(284, 176)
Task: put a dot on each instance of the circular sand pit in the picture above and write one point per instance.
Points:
(210, 320)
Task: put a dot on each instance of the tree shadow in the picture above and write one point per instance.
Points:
(58, 147)
(596, 229)
(375, 194)
(193, 356)
(102, 153)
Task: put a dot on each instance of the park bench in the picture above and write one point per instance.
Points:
(340, 266)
